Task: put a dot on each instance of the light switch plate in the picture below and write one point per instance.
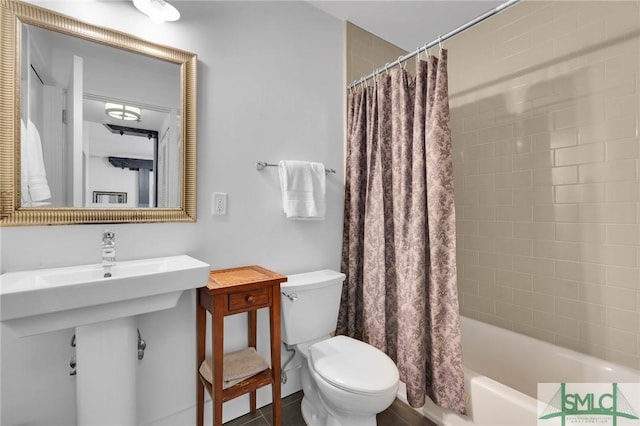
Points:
(219, 204)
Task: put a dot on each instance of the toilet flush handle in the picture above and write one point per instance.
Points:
(292, 296)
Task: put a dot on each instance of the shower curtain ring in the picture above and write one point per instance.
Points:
(402, 65)
(386, 66)
(426, 48)
(440, 42)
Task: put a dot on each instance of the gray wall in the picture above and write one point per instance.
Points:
(270, 87)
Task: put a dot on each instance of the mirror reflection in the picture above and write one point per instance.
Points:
(100, 126)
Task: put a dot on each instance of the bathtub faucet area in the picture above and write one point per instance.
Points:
(108, 251)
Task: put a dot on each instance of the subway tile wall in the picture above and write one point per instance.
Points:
(544, 105)
(544, 115)
(365, 52)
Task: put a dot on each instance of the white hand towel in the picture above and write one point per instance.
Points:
(33, 174)
(303, 186)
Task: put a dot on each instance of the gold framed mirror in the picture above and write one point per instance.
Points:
(93, 81)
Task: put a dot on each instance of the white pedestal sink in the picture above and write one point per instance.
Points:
(102, 312)
(106, 379)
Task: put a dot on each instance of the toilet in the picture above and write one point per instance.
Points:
(345, 382)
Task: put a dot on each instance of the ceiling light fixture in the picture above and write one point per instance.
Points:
(157, 10)
(122, 112)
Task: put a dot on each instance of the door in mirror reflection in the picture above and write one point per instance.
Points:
(100, 126)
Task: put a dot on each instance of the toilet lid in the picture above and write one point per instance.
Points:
(353, 365)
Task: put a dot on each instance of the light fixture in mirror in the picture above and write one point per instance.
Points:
(122, 112)
(157, 10)
(124, 150)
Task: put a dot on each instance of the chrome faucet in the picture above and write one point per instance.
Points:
(108, 251)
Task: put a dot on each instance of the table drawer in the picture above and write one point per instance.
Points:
(249, 299)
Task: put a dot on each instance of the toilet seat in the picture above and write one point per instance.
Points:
(353, 366)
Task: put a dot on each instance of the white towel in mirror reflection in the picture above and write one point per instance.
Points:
(34, 185)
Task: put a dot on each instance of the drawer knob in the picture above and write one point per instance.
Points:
(250, 299)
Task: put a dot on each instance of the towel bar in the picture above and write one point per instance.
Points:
(260, 165)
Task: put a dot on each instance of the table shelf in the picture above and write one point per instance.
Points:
(230, 292)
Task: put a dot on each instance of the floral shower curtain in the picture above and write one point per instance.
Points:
(399, 241)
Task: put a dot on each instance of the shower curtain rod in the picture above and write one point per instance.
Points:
(439, 40)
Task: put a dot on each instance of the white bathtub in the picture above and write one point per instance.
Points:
(502, 370)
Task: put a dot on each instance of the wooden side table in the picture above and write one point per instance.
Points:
(230, 292)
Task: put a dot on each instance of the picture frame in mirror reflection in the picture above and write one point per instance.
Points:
(109, 197)
(51, 165)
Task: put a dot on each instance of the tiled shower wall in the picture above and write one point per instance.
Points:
(365, 52)
(544, 106)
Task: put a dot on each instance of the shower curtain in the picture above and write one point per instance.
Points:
(399, 240)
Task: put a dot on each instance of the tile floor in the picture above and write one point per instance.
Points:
(399, 414)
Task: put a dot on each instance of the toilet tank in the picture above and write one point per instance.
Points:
(310, 303)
